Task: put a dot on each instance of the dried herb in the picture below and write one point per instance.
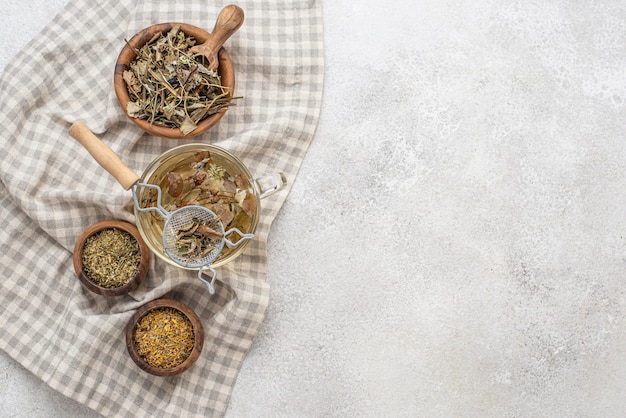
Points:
(174, 184)
(198, 239)
(164, 337)
(172, 87)
(209, 184)
(111, 257)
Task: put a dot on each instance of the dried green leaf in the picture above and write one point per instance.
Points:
(169, 111)
(134, 110)
(198, 114)
(131, 81)
(187, 126)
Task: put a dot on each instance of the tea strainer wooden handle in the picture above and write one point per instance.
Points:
(104, 155)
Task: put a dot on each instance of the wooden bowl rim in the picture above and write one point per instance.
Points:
(198, 331)
(225, 69)
(142, 270)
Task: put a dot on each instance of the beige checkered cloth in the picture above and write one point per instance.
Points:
(51, 190)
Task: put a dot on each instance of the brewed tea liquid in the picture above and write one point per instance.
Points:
(183, 164)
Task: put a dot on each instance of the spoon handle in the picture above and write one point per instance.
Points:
(229, 20)
(105, 156)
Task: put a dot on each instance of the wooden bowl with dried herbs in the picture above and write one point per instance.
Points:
(164, 337)
(110, 258)
(175, 80)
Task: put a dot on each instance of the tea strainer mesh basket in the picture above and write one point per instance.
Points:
(180, 220)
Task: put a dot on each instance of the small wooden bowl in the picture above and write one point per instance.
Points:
(225, 69)
(132, 283)
(197, 330)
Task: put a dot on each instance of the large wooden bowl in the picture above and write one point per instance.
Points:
(225, 69)
(197, 330)
(132, 283)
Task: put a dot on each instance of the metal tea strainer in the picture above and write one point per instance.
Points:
(177, 222)
(182, 220)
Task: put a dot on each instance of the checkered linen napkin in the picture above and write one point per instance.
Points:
(51, 190)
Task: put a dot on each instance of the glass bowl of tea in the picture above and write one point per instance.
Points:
(209, 176)
(111, 258)
(164, 337)
(175, 80)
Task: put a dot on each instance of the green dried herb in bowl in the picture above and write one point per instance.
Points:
(172, 87)
(168, 89)
(111, 258)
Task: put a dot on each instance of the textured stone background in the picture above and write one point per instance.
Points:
(454, 244)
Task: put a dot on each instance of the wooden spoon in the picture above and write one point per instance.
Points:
(229, 20)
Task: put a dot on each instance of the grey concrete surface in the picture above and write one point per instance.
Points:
(454, 245)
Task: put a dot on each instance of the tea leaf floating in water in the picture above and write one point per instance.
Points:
(111, 257)
(171, 87)
(174, 184)
(164, 337)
